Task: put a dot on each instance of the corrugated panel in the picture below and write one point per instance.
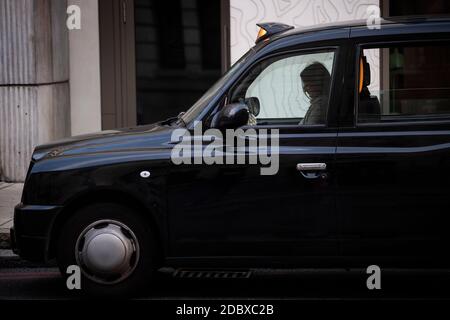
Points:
(18, 130)
(33, 53)
(17, 60)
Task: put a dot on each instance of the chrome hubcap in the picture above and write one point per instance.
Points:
(107, 251)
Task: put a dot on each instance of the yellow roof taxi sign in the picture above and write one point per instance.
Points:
(268, 29)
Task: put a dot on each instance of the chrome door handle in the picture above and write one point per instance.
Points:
(313, 170)
(311, 166)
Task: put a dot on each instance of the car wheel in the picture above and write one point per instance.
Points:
(114, 248)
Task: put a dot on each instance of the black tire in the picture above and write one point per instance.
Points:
(145, 267)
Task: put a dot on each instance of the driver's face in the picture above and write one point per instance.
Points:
(306, 88)
(311, 89)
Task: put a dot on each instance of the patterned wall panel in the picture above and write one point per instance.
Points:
(300, 13)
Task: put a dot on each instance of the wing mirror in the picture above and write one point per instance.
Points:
(232, 116)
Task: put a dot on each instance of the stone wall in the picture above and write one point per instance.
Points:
(34, 80)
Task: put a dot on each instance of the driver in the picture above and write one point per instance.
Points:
(316, 84)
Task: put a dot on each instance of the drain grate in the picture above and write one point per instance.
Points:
(211, 274)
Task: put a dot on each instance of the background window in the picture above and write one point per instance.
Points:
(417, 7)
(404, 83)
(295, 88)
(178, 55)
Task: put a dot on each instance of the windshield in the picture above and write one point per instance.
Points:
(197, 108)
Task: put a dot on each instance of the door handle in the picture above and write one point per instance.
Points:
(312, 170)
(311, 166)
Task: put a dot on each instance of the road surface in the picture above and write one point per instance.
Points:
(22, 280)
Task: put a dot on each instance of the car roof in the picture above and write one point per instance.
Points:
(345, 25)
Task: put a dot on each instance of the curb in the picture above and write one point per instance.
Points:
(5, 241)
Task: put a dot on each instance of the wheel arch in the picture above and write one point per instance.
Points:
(98, 196)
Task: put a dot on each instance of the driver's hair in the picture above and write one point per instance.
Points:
(317, 75)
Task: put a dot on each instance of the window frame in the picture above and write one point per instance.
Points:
(286, 54)
(434, 119)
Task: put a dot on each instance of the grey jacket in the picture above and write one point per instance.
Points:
(316, 113)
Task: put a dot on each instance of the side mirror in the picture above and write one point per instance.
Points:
(232, 116)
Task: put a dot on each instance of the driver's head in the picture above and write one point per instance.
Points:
(316, 80)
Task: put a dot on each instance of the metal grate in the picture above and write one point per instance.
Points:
(212, 274)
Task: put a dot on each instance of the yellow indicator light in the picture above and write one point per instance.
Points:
(361, 75)
(262, 32)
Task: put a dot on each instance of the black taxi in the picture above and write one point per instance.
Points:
(362, 119)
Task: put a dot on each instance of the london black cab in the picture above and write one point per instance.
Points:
(363, 176)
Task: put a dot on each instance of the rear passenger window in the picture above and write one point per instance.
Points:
(404, 83)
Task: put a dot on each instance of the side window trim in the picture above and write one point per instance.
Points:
(434, 119)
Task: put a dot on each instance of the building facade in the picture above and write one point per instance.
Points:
(133, 62)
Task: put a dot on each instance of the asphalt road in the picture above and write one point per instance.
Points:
(22, 280)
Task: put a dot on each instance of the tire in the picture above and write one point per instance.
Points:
(94, 224)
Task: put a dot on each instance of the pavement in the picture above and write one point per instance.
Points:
(10, 194)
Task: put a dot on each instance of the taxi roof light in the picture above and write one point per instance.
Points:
(261, 33)
(269, 29)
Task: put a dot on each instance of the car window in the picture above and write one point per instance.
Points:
(291, 89)
(405, 82)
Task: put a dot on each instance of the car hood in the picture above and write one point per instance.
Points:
(120, 140)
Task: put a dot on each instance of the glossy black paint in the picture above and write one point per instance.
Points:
(225, 210)
(384, 199)
(231, 116)
(393, 193)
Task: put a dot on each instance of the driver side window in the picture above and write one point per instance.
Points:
(288, 90)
